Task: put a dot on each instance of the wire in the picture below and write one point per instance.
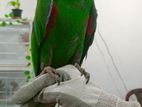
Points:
(113, 62)
(113, 80)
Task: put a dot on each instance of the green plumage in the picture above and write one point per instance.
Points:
(59, 31)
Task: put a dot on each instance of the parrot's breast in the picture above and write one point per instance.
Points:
(65, 31)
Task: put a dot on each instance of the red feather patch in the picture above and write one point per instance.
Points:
(52, 18)
(90, 28)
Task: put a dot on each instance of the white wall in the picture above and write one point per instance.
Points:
(120, 23)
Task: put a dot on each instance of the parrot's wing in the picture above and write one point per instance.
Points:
(91, 28)
(40, 22)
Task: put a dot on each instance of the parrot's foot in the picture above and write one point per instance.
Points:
(42, 66)
(83, 72)
(52, 72)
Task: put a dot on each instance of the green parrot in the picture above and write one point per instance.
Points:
(62, 33)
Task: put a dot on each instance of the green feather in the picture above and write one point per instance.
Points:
(38, 32)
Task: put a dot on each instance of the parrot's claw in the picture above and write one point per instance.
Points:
(52, 72)
(83, 72)
(42, 66)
